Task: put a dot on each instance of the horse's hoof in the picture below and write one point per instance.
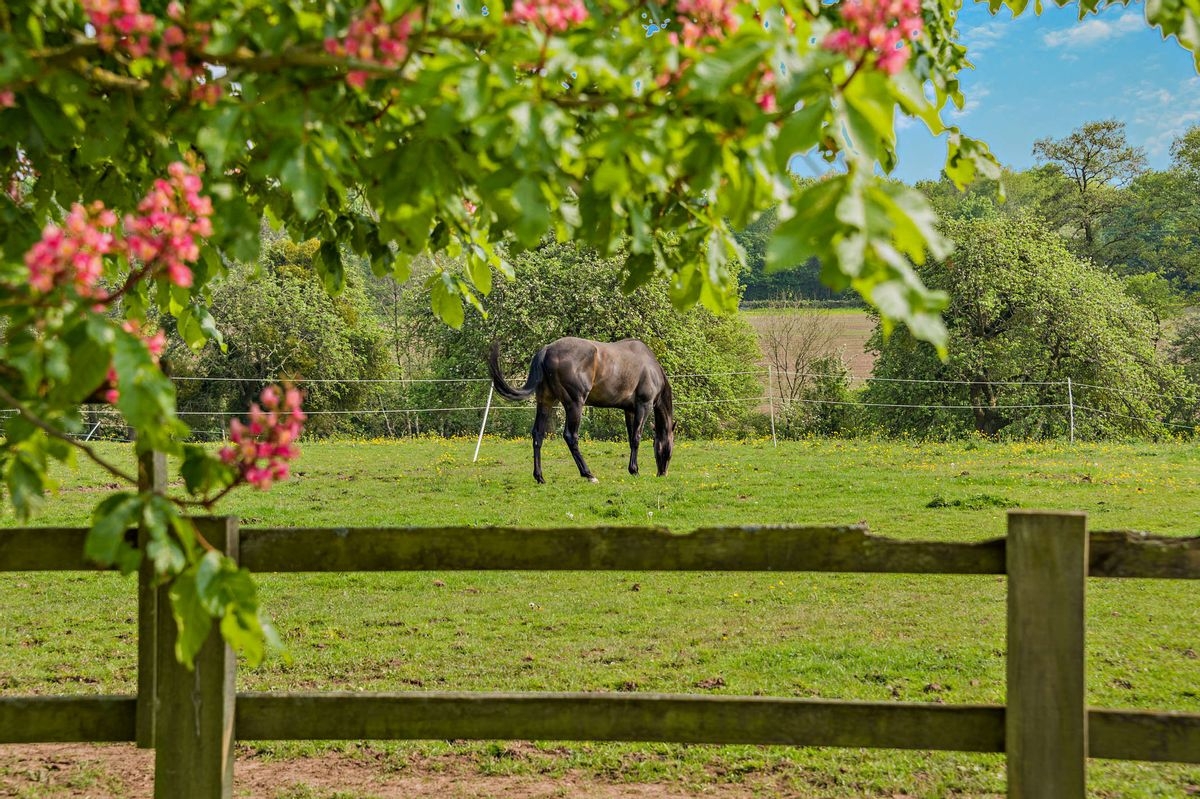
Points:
(593, 480)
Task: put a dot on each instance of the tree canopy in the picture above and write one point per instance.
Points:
(567, 290)
(277, 321)
(1026, 315)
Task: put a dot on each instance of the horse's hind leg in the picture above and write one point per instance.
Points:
(574, 412)
(541, 424)
(635, 420)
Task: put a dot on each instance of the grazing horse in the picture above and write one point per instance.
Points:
(578, 372)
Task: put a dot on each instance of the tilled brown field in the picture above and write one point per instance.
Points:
(840, 332)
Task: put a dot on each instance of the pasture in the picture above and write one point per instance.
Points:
(911, 638)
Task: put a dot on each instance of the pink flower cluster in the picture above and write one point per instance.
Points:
(156, 342)
(164, 238)
(8, 98)
(372, 38)
(74, 253)
(121, 24)
(879, 28)
(552, 16)
(260, 450)
(766, 92)
(173, 216)
(185, 69)
(705, 19)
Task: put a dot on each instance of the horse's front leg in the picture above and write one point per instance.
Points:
(541, 424)
(574, 412)
(635, 420)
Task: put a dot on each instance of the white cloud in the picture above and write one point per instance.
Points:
(1094, 31)
(1162, 113)
(981, 38)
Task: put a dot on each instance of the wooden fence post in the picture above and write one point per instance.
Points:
(194, 731)
(1046, 716)
(152, 476)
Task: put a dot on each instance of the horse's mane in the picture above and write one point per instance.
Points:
(664, 401)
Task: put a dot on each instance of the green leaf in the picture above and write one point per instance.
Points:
(910, 95)
(809, 232)
(197, 326)
(801, 131)
(217, 138)
(967, 159)
(34, 25)
(533, 215)
(26, 484)
(914, 223)
(305, 181)
(479, 270)
(639, 268)
(328, 261)
(90, 346)
(105, 543)
(202, 472)
(54, 125)
(870, 115)
(731, 64)
(147, 397)
(191, 618)
(445, 299)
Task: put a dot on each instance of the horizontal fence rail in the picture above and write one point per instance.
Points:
(1119, 734)
(1045, 730)
(850, 548)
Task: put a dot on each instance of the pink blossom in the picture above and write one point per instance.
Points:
(260, 450)
(766, 98)
(73, 254)
(371, 38)
(173, 216)
(705, 19)
(552, 16)
(878, 28)
(8, 98)
(122, 26)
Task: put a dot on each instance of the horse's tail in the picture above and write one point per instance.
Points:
(501, 385)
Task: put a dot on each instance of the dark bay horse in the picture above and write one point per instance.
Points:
(578, 372)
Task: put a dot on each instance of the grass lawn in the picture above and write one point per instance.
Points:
(877, 637)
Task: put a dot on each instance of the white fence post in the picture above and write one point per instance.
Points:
(771, 401)
(483, 426)
(1071, 409)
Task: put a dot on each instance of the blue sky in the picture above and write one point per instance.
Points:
(1038, 77)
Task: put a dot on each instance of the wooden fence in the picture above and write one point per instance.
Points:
(1047, 732)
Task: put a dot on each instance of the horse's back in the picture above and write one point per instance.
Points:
(618, 374)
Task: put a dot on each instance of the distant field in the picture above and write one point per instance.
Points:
(849, 330)
(902, 637)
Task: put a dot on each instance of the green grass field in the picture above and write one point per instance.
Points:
(904, 637)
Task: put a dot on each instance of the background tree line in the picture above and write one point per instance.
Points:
(1083, 271)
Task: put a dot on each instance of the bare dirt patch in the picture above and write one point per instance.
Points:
(121, 771)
